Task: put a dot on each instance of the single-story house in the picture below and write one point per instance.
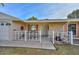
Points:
(9, 24)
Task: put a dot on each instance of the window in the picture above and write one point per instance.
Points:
(8, 24)
(22, 28)
(33, 27)
(72, 27)
(2, 24)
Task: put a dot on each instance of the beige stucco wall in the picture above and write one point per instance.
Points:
(77, 29)
(40, 25)
(17, 25)
(57, 26)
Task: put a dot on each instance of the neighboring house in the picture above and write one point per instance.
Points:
(9, 24)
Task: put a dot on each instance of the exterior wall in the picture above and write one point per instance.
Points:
(40, 25)
(17, 26)
(57, 27)
(77, 29)
(65, 27)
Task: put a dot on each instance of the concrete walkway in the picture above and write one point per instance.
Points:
(30, 44)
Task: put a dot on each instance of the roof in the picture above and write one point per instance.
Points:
(53, 20)
(4, 16)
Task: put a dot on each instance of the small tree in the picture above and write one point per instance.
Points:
(33, 18)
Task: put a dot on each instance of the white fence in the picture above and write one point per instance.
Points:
(65, 37)
(68, 37)
(75, 40)
(34, 36)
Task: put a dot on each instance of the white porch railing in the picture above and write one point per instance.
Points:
(26, 36)
(63, 37)
(34, 36)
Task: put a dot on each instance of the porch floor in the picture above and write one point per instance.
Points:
(30, 44)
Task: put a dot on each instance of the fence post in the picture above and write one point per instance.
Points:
(25, 35)
(71, 34)
(29, 35)
(18, 35)
(49, 34)
(40, 35)
(53, 37)
(15, 36)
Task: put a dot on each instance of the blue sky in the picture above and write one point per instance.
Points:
(40, 10)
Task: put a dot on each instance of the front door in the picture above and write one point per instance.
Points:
(45, 30)
(72, 27)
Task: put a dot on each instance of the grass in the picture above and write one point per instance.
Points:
(61, 50)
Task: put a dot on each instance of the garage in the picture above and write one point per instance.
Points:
(4, 30)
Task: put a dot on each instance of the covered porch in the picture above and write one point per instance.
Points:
(38, 34)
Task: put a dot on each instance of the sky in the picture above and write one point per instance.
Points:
(39, 10)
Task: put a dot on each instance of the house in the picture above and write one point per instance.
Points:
(10, 24)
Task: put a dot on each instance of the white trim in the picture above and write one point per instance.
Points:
(53, 36)
(43, 21)
(53, 20)
(71, 34)
(76, 29)
(25, 36)
(40, 35)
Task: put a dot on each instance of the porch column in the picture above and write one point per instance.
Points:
(53, 36)
(71, 37)
(40, 35)
(77, 29)
(25, 36)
